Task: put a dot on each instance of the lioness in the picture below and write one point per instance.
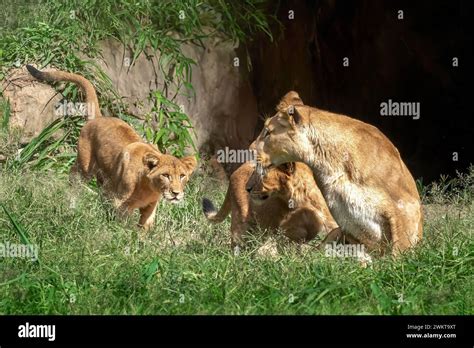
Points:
(368, 188)
(132, 173)
(286, 197)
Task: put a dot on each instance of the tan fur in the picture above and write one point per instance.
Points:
(368, 188)
(286, 198)
(132, 173)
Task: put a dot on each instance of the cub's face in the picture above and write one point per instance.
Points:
(273, 183)
(169, 175)
(281, 139)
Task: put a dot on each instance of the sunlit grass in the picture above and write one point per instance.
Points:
(90, 262)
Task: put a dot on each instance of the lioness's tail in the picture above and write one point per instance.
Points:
(86, 86)
(211, 212)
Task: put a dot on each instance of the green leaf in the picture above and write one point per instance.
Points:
(18, 228)
(150, 270)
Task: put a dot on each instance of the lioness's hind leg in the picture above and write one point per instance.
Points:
(404, 233)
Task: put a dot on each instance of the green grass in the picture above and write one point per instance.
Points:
(91, 263)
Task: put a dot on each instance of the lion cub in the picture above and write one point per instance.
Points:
(287, 197)
(132, 173)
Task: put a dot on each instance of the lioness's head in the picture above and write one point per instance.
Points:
(281, 139)
(169, 174)
(273, 183)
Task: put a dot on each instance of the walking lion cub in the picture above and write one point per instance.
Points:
(132, 173)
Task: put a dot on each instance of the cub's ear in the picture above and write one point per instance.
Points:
(151, 160)
(290, 98)
(190, 163)
(287, 168)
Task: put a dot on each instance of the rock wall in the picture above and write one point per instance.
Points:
(223, 111)
(31, 103)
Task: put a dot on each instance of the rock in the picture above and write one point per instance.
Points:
(32, 103)
(223, 111)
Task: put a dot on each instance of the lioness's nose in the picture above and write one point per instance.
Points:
(175, 192)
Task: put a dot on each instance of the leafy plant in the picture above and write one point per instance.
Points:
(42, 151)
(451, 189)
(17, 227)
(168, 126)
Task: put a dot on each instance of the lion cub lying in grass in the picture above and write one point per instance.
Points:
(132, 173)
(287, 197)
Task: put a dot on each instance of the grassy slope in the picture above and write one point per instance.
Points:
(92, 263)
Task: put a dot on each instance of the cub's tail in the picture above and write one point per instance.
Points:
(86, 86)
(211, 212)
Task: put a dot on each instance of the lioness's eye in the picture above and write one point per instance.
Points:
(266, 132)
(182, 176)
(166, 176)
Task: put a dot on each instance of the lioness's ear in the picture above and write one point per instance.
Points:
(292, 111)
(290, 98)
(151, 160)
(291, 116)
(190, 163)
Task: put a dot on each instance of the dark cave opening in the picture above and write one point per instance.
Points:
(404, 60)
